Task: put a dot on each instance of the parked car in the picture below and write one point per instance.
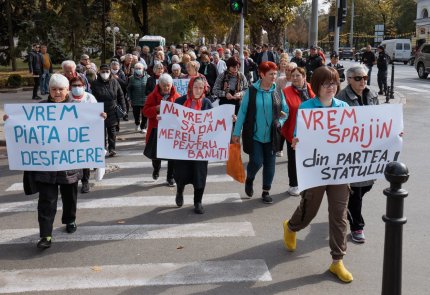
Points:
(422, 61)
(346, 53)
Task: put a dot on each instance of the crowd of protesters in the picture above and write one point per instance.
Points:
(267, 95)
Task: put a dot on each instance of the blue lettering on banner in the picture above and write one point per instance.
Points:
(181, 85)
(63, 157)
(69, 109)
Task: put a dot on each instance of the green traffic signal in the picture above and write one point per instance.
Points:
(236, 6)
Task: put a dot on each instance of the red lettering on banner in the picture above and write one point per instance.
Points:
(331, 118)
(221, 123)
(169, 108)
(348, 114)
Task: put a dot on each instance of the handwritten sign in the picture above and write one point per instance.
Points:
(181, 85)
(187, 134)
(346, 145)
(54, 136)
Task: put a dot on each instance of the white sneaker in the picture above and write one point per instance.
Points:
(143, 130)
(293, 191)
(137, 128)
(280, 154)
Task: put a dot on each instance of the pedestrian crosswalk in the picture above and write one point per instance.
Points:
(107, 275)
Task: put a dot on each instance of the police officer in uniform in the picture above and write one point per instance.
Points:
(334, 63)
(382, 64)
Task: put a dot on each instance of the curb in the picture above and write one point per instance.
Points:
(16, 90)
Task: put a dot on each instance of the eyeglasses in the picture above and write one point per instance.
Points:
(329, 84)
(77, 85)
(359, 78)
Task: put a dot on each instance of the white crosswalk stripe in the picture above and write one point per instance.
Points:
(206, 272)
(123, 181)
(140, 165)
(411, 89)
(133, 232)
(118, 202)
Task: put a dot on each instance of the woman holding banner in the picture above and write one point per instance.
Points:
(295, 94)
(167, 92)
(262, 113)
(325, 82)
(47, 183)
(193, 172)
(358, 94)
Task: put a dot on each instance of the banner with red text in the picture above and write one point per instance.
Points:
(346, 145)
(187, 134)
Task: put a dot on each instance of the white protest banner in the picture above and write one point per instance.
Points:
(54, 136)
(187, 134)
(346, 145)
(181, 85)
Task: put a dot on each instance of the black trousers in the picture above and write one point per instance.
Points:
(369, 73)
(85, 175)
(382, 80)
(110, 134)
(137, 113)
(36, 86)
(156, 164)
(356, 221)
(198, 193)
(292, 169)
(47, 205)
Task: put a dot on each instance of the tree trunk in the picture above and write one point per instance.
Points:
(273, 33)
(103, 59)
(10, 35)
(233, 37)
(256, 34)
(145, 17)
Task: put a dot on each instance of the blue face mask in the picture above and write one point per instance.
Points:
(78, 91)
(138, 72)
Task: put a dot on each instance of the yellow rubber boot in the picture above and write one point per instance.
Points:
(341, 272)
(289, 238)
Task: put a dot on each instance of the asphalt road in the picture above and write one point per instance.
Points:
(131, 238)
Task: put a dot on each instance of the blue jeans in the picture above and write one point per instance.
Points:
(262, 155)
(44, 82)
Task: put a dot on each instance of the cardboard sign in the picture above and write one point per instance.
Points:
(187, 134)
(346, 145)
(181, 85)
(54, 136)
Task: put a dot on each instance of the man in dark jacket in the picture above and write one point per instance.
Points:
(265, 55)
(108, 91)
(369, 59)
(313, 62)
(382, 64)
(208, 69)
(35, 66)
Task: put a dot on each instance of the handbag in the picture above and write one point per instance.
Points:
(234, 163)
(150, 150)
(120, 113)
(276, 136)
(30, 185)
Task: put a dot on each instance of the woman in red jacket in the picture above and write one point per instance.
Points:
(295, 94)
(163, 91)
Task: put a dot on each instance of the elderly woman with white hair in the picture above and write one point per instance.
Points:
(167, 92)
(69, 71)
(174, 60)
(47, 183)
(158, 70)
(193, 72)
(176, 72)
(298, 58)
(357, 93)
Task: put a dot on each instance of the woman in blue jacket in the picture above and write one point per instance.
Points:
(262, 113)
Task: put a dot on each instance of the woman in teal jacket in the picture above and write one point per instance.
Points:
(262, 113)
(136, 90)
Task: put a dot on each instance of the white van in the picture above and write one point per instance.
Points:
(401, 48)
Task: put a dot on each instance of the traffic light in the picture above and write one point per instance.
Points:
(341, 13)
(236, 6)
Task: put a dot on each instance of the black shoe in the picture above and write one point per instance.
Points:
(380, 92)
(170, 182)
(248, 187)
(44, 243)
(85, 188)
(179, 199)
(155, 174)
(71, 227)
(198, 208)
(266, 198)
(125, 118)
(112, 153)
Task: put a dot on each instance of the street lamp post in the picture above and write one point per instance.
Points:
(113, 30)
(134, 36)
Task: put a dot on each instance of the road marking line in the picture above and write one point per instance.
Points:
(132, 275)
(123, 181)
(139, 165)
(128, 143)
(120, 202)
(132, 232)
(410, 88)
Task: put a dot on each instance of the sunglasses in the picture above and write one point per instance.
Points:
(359, 78)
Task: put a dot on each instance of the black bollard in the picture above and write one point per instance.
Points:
(397, 174)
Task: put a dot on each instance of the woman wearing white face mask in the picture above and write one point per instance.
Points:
(108, 91)
(136, 90)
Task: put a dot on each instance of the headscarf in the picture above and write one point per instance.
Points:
(303, 92)
(191, 101)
